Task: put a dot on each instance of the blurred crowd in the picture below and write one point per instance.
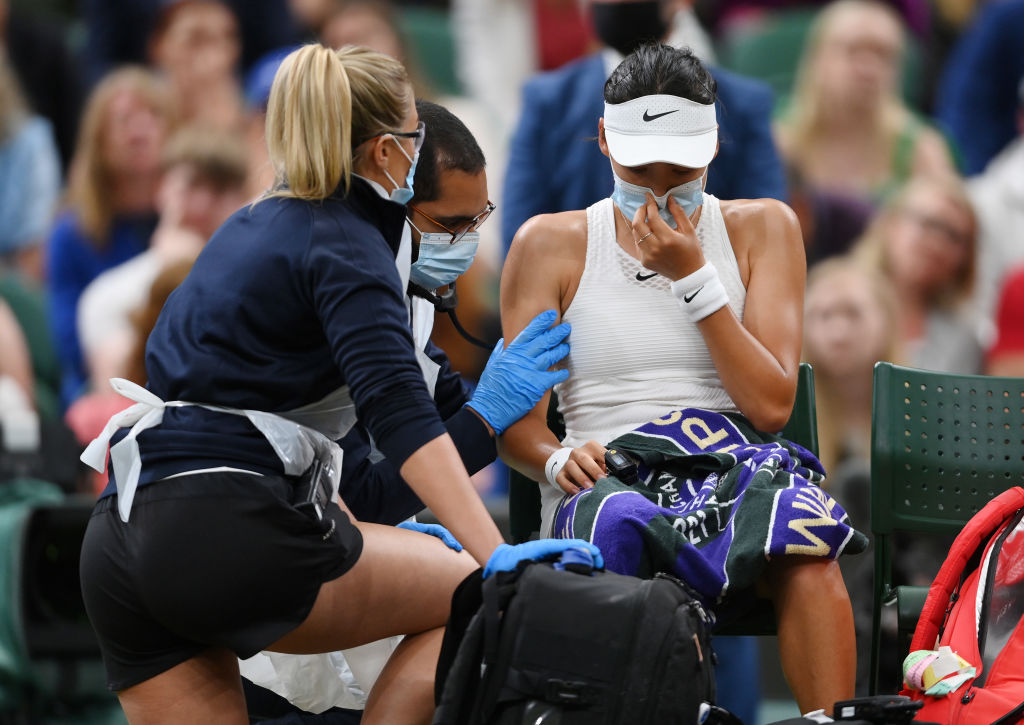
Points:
(131, 129)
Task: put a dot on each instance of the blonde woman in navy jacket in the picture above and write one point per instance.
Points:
(291, 326)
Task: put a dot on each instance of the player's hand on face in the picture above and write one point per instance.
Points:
(672, 253)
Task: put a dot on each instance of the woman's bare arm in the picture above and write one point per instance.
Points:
(541, 272)
(758, 361)
(435, 472)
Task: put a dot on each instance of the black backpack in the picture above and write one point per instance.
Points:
(564, 644)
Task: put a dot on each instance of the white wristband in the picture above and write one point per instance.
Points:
(556, 461)
(700, 293)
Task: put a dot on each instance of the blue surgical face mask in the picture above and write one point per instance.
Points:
(630, 197)
(440, 262)
(403, 195)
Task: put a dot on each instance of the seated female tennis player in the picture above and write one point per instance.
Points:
(679, 300)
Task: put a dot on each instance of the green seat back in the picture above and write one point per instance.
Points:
(942, 446)
(432, 50)
(770, 50)
(802, 426)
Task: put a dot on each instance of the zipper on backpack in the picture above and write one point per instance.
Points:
(705, 615)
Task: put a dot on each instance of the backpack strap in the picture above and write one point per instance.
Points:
(974, 535)
(497, 592)
(466, 602)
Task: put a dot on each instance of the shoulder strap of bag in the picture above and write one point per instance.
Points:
(497, 592)
(462, 683)
(466, 603)
(977, 531)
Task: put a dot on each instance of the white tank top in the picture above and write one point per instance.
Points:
(634, 354)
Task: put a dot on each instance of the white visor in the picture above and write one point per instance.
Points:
(661, 128)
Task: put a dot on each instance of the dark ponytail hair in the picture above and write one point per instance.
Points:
(659, 69)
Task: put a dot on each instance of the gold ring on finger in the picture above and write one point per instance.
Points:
(644, 237)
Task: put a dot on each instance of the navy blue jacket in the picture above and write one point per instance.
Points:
(555, 164)
(371, 485)
(288, 301)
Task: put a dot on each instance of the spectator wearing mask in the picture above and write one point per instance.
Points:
(111, 211)
(501, 44)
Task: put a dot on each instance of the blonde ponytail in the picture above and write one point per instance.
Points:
(323, 104)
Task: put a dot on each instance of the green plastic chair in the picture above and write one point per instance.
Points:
(942, 446)
(802, 428)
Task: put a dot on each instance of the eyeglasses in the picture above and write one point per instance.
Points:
(417, 136)
(471, 225)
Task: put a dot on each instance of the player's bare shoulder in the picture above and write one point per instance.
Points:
(546, 259)
(551, 239)
(761, 225)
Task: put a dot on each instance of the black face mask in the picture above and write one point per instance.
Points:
(626, 25)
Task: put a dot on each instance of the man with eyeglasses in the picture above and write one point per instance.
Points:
(448, 206)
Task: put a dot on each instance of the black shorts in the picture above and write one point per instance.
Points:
(207, 560)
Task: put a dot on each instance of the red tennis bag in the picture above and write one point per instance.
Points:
(975, 606)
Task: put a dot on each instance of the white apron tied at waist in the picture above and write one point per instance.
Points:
(295, 444)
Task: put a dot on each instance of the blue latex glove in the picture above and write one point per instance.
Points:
(516, 378)
(506, 557)
(433, 530)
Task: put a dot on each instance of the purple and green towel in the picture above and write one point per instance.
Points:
(714, 501)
